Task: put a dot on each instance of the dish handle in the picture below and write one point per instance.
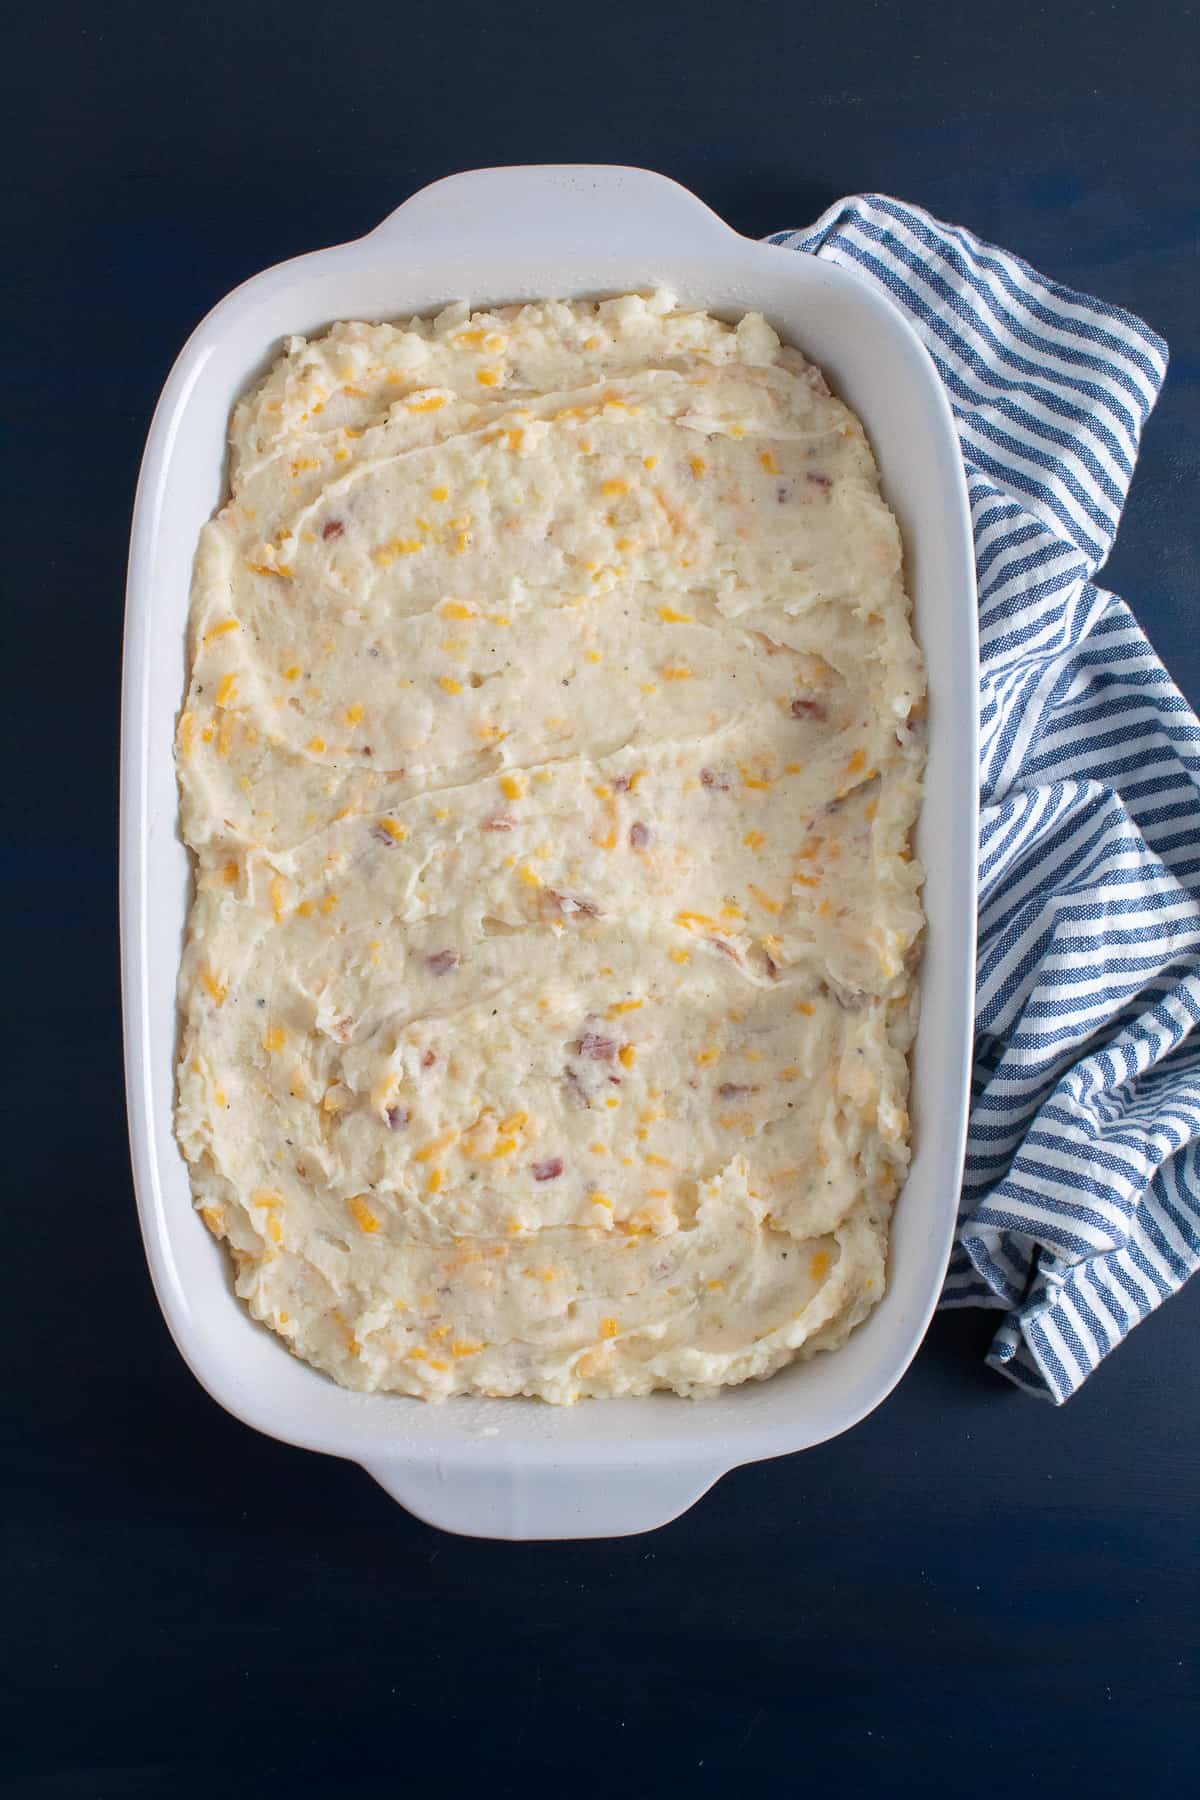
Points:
(488, 211)
(499, 1499)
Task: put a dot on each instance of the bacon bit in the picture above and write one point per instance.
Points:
(728, 949)
(731, 1090)
(571, 903)
(639, 835)
(599, 1049)
(333, 529)
(621, 784)
(429, 1058)
(502, 822)
(772, 967)
(442, 962)
(821, 481)
(804, 708)
(397, 1117)
(715, 778)
(345, 1029)
(550, 1170)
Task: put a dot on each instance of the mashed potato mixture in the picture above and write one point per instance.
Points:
(549, 762)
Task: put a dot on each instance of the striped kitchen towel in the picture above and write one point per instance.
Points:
(1080, 1209)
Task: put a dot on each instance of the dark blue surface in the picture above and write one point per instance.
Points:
(970, 1584)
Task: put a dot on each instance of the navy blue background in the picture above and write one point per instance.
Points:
(969, 1585)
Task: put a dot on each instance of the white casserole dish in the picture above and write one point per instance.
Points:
(519, 1468)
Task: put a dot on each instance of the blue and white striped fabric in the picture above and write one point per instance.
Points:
(1080, 1209)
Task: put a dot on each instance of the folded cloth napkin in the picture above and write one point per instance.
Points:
(1080, 1209)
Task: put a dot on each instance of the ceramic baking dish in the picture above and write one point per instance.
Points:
(519, 1468)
